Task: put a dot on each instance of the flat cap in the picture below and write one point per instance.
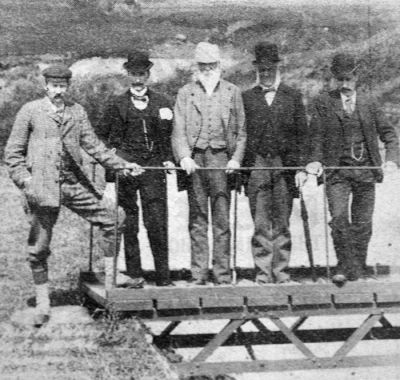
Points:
(207, 53)
(57, 71)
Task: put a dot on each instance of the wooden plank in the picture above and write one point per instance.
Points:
(272, 301)
(222, 302)
(353, 298)
(316, 298)
(178, 303)
(216, 368)
(387, 297)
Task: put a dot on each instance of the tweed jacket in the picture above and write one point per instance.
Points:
(187, 120)
(112, 129)
(34, 148)
(327, 133)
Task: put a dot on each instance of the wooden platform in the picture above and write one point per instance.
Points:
(247, 302)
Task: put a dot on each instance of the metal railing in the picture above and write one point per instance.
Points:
(236, 171)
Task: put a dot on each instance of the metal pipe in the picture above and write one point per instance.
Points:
(266, 168)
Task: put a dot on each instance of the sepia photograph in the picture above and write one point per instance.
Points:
(199, 190)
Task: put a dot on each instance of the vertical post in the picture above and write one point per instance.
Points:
(116, 232)
(235, 207)
(91, 229)
(328, 270)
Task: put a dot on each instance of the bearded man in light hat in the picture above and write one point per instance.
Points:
(43, 155)
(276, 136)
(346, 126)
(209, 131)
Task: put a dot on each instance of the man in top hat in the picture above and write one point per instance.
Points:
(209, 131)
(276, 136)
(138, 125)
(345, 127)
(43, 155)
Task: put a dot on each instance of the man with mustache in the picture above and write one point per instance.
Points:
(276, 136)
(209, 131)
(43, 155)
(346, 125)
(138, 125)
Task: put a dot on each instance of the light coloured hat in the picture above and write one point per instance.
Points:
(207, 53)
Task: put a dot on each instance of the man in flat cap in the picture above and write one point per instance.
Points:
(138, 125)
(209, 131)
(44, 160)
(276, 136)
(345, 127)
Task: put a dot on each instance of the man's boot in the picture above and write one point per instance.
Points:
(42, 311)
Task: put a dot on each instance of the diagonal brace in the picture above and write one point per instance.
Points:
(219, 339)
(260, 326)
(299, 322)
(247, 344)
(168, 330)
(293, 338)
(355, 338)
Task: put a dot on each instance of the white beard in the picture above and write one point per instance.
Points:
(209, 80)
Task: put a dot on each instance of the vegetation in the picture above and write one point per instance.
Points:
(72, 29)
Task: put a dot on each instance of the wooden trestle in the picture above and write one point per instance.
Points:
(241, 304)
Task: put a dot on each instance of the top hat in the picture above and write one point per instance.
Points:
(138, 61)
(207, 53)
(342, 64)
(57, 72)
(266, 53)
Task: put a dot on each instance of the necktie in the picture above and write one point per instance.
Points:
(348, 105)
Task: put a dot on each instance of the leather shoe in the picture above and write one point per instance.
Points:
(132, 283)
(165, 283)
(339, 279)
(199, 281)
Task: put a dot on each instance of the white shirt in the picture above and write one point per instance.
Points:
(270, 95)
(349, 101)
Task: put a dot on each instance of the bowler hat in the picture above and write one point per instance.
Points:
(265, 53)
(343, 63)
(138, 60)
(57, 72)
(207, 53)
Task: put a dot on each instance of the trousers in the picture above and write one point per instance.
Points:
(351, 226)
(80, 200)
(153, 194)
(270, 207)
(210, 185)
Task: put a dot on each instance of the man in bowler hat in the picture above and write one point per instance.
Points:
(209, 131)
(346, 125)
(43, 155)
(138, 125)
(276, 136)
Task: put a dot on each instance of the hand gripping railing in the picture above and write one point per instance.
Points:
(243, 169)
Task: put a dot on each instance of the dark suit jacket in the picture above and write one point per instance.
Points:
(289, 123)
(113, 127)
(327, 134)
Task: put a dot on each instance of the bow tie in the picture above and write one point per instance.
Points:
(265, 90)
(138, 98)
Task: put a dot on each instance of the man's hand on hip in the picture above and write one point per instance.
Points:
(188, 165)
(231, 166)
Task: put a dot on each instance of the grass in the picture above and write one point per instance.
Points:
(307, 36)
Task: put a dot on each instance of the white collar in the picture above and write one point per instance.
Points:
(352, 97)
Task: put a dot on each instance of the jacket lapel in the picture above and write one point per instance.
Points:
(226, 102)
(124, 105)
(362, 107)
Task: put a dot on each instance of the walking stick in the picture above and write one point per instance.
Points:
(91, 229)
(235, 207)
(307, 235)
(116, 232)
